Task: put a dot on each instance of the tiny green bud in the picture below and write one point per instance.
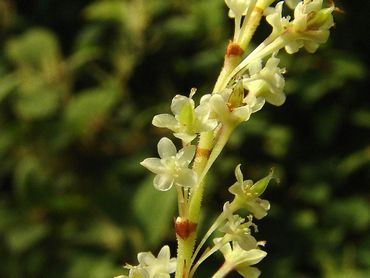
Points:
(260, 186)
(186, 115)
(236, 97)
(320, 18)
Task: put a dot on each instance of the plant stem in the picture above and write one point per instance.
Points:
(223, 271)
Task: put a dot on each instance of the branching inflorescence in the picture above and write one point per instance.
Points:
(245, 84)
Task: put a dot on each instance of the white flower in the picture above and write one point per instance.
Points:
(267, 82)
(152, 267)
(188, 121)
(231, 107)
(276, 20)
(136, 271)
(158, 267)
(238, 8)
(241, 260)
(236, 229)
(309, 28)
(172, 167)
(247, 194)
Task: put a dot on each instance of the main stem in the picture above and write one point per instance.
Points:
(233, 57)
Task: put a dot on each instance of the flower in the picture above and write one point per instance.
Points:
(276, 20)
(160, 266)
(238, 8)
(267, 82)
(172, 166)
(241, 260)
(312, 22)
(236, 229)
(152, 267)
(231, 107)
(247, 194)
(309, 28)
(188, 121)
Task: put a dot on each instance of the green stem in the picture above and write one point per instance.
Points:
(196, 198)
(223, 271)
(220, 219)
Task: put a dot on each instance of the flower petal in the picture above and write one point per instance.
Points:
(163, 182)
(185, 155)
(186, 178)
(164, 254)
(178, 102)
(166, 148)
(153, 164)
(248, 271)
(165, 120)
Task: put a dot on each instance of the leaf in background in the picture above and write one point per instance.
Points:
(23, 237)
(154, 210)
(87, 111)
(7, 84)
(37, 48)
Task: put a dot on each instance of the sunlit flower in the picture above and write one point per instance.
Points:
(247, 194)
(172, 168)
(187, 121)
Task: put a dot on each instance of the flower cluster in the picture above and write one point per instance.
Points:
(309, 28)
(245, 84)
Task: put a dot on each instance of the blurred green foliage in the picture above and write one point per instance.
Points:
(79, 84)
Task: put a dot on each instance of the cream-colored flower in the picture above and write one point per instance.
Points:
(247, 194)
(236, 229)
(267, 82)
(187, 121)
(241, 260)
(172, 168)
(231, 107)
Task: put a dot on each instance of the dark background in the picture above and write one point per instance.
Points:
(79, 84)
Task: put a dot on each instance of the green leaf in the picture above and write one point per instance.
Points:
(37, 47)
(87, 112)
(23, 237)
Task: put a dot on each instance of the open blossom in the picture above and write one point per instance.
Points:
(241, 260)
(267, 82)
(172, 168)
(187, 121)
(247, 194)
(232, 107)
(276, 20)
(152, 267)
(236, 229)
